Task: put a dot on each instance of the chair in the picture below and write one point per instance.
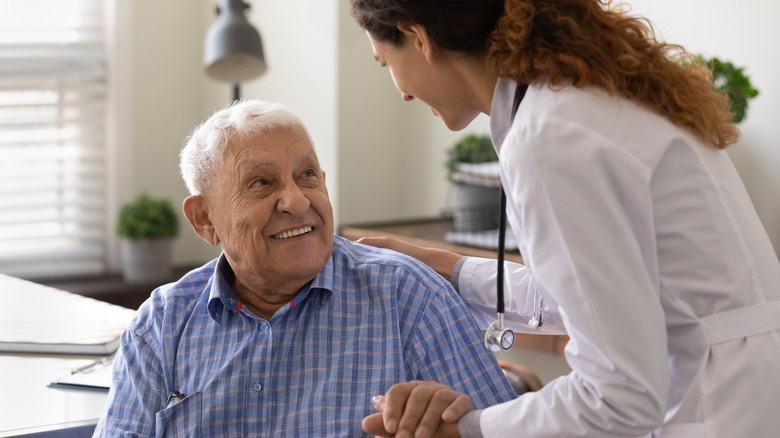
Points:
(521, 378)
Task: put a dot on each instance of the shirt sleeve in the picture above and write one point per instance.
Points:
(468, 425)
(137, 390)
(449, 349)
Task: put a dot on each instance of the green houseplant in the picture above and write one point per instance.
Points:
(146, 227)
(471, 148)
(476, 198)
(732, 81)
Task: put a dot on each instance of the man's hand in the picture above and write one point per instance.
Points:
(418, 409)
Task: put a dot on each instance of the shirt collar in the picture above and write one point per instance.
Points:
(501, 110)
(222, 296)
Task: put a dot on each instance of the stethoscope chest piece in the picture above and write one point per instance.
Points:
(498, 338)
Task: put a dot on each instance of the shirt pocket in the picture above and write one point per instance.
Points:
(181, 419)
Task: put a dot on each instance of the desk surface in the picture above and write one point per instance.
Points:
(28, 406)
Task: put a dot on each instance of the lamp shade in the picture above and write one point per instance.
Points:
(233, 50)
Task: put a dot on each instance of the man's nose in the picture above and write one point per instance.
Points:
(407, 97)
(292, 200)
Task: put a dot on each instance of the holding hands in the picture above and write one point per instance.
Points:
(418, 409)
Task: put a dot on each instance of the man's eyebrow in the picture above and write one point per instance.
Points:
(261, 165)
(309, 157)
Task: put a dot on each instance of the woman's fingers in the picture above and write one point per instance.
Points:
(445, 405)
(458, 408)
(391, 243)
(416, 408)
(440, 260)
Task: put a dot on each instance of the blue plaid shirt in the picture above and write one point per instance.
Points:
(370, 319)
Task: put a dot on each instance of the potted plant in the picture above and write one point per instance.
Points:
(146, 227)
(472, 168)
(733, 82)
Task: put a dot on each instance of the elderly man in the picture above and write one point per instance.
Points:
(285, 332)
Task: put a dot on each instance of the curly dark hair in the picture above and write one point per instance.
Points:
(587, 42)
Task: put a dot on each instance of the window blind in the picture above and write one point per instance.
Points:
(52, 145)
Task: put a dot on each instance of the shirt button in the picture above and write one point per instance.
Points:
(264, 326)
(257, 387)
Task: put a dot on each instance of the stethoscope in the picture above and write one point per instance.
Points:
(497, 337)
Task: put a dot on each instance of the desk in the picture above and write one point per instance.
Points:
(29, 408)
(430, 233)
(51, 319)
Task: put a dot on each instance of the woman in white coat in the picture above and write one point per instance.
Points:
(633, 224)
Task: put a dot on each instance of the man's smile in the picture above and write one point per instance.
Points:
(292, 233)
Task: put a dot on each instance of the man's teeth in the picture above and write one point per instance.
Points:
(292, 233)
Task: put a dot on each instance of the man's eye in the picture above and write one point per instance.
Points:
(259, 183)
(309, 173)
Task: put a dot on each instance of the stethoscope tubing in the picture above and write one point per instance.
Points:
(536, 321)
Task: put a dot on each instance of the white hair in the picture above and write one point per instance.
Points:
(205, 147)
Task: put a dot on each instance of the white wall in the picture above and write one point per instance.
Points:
(167, 103)
(384, 157)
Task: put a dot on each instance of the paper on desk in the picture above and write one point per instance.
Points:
(41, 319)
(94, 378)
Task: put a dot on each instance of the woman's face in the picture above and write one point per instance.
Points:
(432, 79)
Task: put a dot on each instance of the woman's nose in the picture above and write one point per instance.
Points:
(407, 97)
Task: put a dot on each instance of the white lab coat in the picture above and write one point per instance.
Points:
(650, 256)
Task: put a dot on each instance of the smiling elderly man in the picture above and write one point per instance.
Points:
(285, 332)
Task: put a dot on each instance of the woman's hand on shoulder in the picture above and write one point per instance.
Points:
(440, 260)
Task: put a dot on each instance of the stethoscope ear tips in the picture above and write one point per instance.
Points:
(533, 323)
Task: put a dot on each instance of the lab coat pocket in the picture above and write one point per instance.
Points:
(180, 420)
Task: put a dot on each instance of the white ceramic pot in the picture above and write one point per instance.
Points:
(146, 261)
(475, 208)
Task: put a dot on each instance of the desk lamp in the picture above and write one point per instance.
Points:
(233, 51)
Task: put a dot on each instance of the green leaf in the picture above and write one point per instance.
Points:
(732, 81)
(472, 148)
(147, 218)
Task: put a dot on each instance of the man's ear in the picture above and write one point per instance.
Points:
(417, 35)
(197, 214)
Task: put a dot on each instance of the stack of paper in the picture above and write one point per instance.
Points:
(42, 319)
(481, 174)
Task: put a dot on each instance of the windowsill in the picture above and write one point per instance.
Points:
(112, 288)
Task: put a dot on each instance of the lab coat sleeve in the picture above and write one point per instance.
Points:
(583, 209)
(477, 286)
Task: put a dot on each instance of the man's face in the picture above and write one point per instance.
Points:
(270, 210)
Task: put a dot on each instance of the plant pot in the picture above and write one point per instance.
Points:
(475, 208)
(146, 261)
